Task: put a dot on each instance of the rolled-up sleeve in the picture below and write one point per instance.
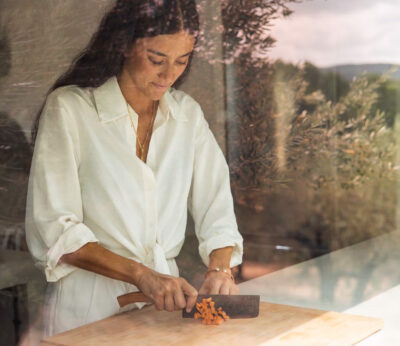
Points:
(54, 217)
(210, 199)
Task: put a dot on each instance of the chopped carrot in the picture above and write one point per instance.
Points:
(208, 313)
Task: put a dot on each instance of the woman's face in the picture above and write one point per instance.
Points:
(153, 64)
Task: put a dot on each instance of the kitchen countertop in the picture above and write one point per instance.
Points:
(362, 279)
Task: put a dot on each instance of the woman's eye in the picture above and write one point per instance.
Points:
(181, 62)
(155, 62)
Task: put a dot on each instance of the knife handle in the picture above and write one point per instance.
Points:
(133, 297)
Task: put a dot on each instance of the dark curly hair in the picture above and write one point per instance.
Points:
(126, 22)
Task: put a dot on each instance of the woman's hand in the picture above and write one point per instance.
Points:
(218, 283)
(167, 292)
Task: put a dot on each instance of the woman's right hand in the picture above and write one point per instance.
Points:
(168, 292)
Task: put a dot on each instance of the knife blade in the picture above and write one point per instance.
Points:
(235, 306)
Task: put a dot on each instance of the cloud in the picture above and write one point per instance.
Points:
(328, 36)
(336, 6)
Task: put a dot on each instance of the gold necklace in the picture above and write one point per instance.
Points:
(142, 149)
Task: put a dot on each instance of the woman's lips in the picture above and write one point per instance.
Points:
(159, 86)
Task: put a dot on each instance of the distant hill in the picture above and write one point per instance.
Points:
(351, 71)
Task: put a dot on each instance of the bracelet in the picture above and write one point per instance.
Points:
(223, 270)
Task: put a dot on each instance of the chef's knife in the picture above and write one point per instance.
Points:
(235, 306)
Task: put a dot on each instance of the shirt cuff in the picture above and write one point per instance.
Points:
(71, 240)
(221, 241)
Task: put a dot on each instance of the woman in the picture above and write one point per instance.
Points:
(120, 155)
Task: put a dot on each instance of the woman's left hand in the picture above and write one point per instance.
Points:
(218, 283)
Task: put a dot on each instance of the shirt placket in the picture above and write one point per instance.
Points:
(155, 254)
(150, 201)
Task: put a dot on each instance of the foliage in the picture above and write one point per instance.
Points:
(388, 96)
(244, 26)
(330, 83)
(324, 171)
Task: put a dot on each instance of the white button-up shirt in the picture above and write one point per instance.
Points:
(87, 184)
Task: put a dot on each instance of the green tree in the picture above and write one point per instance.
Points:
(388, 96)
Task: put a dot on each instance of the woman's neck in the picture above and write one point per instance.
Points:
(141, 104)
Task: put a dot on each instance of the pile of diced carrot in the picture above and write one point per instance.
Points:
(206, 311)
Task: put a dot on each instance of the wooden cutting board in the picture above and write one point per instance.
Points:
(276, 325)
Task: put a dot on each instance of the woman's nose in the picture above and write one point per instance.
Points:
(168, 74)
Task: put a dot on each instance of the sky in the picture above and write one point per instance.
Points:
(334, 32)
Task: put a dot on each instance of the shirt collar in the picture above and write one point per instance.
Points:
(111, 105)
